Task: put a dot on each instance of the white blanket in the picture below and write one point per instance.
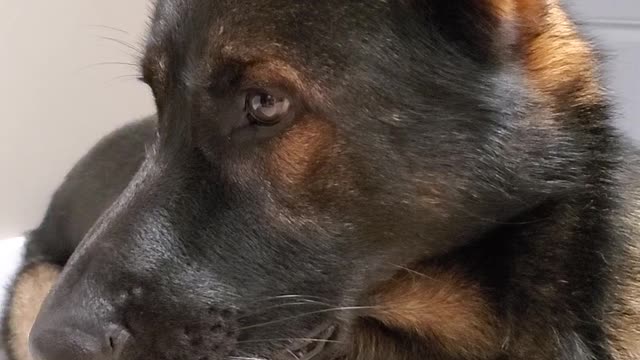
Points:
(10, 256)
(11, 251)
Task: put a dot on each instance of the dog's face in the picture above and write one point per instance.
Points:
(306, 152)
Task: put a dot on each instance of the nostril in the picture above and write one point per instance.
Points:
(70, 343)
(62, 344)
(117, 339)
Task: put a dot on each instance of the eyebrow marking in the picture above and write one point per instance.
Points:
(279, 72)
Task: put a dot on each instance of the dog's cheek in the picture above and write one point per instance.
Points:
(622, 318)
(448, 311)
(31, 288)
(297, 156)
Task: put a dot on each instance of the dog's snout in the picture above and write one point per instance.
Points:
(59, 342)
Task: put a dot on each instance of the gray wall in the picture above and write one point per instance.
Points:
(56, 101)
(615, 24)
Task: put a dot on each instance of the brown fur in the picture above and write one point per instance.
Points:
(440, 307)
(296, 154)
(444, 306)
(558, 59)
(450, 309)
(32, 287)
(623, 315)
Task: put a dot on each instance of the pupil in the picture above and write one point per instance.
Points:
(267, 100)
(266, 108)
(265, 105)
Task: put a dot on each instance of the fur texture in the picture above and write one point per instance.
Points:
(446, 184)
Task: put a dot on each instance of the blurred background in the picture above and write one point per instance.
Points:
(68, 77)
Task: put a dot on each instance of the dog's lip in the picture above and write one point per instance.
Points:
(315, 344)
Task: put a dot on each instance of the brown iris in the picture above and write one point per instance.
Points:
(266, 109)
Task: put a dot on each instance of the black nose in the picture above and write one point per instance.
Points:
(51, 342)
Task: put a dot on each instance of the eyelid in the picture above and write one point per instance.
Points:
(281, 75)
(264, 75)
(273, 90)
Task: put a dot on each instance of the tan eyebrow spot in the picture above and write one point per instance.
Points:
(296, 154)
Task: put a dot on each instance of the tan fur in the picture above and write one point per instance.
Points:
(297, 151)
(442, 305)
(623, 315)
(558, 58)
(31, 289)
(523, 11)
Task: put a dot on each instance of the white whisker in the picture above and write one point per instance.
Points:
(308, 314)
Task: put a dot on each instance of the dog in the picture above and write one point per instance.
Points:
(347, 180)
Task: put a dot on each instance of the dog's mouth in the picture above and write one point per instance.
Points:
(320, 344)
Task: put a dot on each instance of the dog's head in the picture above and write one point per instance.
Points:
(307, 152)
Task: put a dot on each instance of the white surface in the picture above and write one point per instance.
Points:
(10, 256)
(11, 251)
(55, 101)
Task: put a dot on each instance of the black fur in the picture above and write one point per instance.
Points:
(435, 148)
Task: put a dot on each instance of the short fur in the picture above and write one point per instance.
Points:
(449, 187)
(32, 286)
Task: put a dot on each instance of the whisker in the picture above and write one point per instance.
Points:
(412, 271)
(123, 43)
(293, 354)
(281, 297)
(128, 76)
(108, 28)
(291, 339)
(123, 79)
(244, 356)
(308, 302)
(324, 311)
(124, 63)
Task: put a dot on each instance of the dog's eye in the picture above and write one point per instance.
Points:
(266, 109)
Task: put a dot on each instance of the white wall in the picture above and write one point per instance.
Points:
(54, 102)
(54, 105)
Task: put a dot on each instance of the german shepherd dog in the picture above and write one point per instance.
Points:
(343, 179)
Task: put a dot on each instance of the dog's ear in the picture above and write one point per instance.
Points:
(480, 28)
(559, 64)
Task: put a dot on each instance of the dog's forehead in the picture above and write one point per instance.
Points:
(288, 23)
